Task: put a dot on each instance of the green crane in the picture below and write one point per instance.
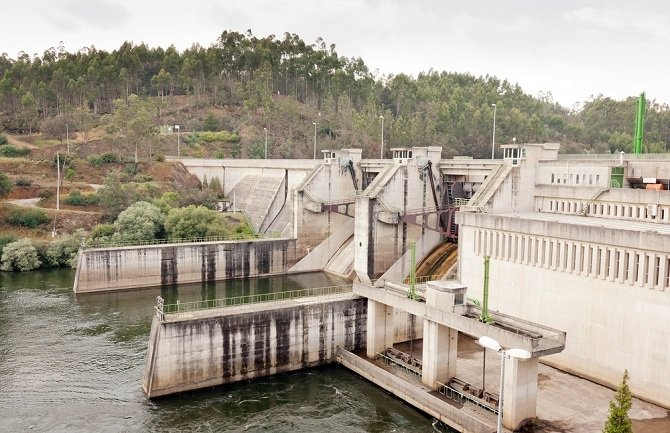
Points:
(639, 125)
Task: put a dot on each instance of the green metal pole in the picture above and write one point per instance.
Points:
(412, 271)
(485, 304)
(639, 124)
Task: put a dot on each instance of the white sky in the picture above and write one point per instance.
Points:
(571, 48)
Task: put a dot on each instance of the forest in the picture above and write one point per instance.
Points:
(243, 85)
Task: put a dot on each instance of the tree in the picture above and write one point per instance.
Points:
(114, 197)
(142, 221)
(5, 185)
(133, 121)
(618, 420)
(20, 255)
(194, 222)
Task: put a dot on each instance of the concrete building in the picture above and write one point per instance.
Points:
(581, 244)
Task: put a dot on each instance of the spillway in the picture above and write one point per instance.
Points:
(439, 262)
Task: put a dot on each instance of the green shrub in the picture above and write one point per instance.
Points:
(5, 185)
(105, 158)
(103, 231)
(191, 138)
(169, 200)
(194, 222)
(131, 169)
(10, 151)
(160, 158)
(142, 221)
(70, 173)
(19, 255)
(22, 182)
(28, 217)
(219, 154)
(3, 139)
(228, 137)
(143, 178)
(45, 194)
(4, 240)
(76, 198)
(65, 251)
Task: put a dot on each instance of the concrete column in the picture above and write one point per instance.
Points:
(380, 328)
(663, 271)
(440, 348)
(363, 240)
(520, 396)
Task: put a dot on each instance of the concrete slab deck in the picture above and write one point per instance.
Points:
(565, 403)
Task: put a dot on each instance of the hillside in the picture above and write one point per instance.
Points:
(242, 84)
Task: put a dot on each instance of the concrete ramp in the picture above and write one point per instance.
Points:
(321, 256)
(342, 263)
(261, 198)
(283, 222)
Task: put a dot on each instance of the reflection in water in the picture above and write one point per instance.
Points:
(74, 364)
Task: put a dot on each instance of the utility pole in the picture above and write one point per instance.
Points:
(266, 142)
(381, 153)
(493, 141)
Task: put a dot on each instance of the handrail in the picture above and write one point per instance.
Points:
(184, 307)
(395, 363)
(94, 243)
(462, 398)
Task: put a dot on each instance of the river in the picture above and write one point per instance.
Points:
(73, 363)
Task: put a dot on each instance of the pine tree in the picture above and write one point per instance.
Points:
(618, 420)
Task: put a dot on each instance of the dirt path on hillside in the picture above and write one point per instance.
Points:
(14, 141)
(27, 202)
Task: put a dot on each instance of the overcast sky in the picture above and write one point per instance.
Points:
(573, 49)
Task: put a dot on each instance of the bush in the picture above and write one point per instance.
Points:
(3, 139)
(70, 173)
(22, 182)
(194, 222)
(228, 137)
(142, 221)
(5, 185)
(105, 158)
(114, 197)
(28, 217)
(65, 251)
(76, 198)
(103, 231)
(169, 200)
(10, 151)
(4, 240)
(45, 194)
(19, 255)
(160, 158)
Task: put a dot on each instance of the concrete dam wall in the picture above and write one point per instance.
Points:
(214, 347)
(103, 269)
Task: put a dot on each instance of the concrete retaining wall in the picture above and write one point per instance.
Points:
(104, 269)
(236, 344)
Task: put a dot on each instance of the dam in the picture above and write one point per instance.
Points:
(568, 237)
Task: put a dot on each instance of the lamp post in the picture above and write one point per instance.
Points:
(492, 344)
(178, 142)
(381, 153)
(266, 142)
(493, 141)
(67, 138)
(314, 123)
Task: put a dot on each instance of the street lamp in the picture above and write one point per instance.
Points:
(178, 142)
(314, 123)
(490, 343)
(493, 142)
(381, 153)
(266, 142)
(67, 138)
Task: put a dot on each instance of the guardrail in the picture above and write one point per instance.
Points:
(614, 156)
(462, 398)
(416, 373)
(184, 307)
(112, 243)
(426, 278)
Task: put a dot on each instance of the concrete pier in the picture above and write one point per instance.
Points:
(204, 348)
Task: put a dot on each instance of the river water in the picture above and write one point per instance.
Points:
(73, 363)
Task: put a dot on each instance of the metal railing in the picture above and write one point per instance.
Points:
(614, 156)
(426, 278)
(115, 243)
(462, 398)
(185, 307)
(394, 363)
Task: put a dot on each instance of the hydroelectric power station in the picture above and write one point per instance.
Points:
(579, 270)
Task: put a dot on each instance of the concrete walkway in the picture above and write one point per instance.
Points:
(565, 403)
